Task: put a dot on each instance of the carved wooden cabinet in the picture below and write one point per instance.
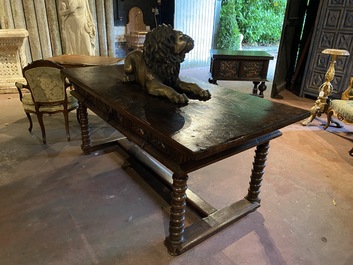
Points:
(243, 65)
(334, 30)
(239, 65)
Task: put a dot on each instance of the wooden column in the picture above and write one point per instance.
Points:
(101, 30)
(54, 27)
(109, 18)
(32, 28)
(43, 29)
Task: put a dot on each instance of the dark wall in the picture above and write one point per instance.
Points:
(165, 10)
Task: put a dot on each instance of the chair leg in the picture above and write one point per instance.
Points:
(40, 120)
(30, 122)
(66, 117)
(329, 119)
(338, 125)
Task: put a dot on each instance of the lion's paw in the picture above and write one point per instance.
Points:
(179, 98)
(204, 95)
(128, 79)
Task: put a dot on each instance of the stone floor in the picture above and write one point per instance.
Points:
(60, 207)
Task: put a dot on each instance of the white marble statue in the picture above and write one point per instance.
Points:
(78, 27)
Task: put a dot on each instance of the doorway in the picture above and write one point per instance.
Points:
(297, 31)
(196, 19)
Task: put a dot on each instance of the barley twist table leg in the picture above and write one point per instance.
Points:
(259, 165)
(177, 213)
(85, 130)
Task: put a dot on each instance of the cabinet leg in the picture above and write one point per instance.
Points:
(262, 88)
(212, 81)
(254, 90)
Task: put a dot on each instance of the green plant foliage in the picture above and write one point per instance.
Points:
(228, 33)
(260, 21)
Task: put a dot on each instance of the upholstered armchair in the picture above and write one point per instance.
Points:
(48, 93)
(342, 108)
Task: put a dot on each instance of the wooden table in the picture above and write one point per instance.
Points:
(78, 60)
(241, 65)
(183, 139)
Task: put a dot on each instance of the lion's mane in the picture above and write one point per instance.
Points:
(159, 55)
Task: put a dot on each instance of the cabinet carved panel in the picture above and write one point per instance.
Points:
(333, 30)
(231, 70)
(252, 69)
(228, 69)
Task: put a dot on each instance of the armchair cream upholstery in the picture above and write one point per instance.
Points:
(342, 108)
(48, 93)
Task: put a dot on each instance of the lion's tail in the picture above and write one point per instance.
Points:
(128, 65)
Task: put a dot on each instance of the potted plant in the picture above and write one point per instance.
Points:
(228, 32)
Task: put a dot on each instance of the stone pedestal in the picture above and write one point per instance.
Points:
(12, 58)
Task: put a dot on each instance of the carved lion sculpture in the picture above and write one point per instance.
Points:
(157, 67)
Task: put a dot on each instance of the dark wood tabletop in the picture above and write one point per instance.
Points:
(199, 128)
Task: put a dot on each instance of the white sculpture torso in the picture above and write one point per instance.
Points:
(78, 28)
